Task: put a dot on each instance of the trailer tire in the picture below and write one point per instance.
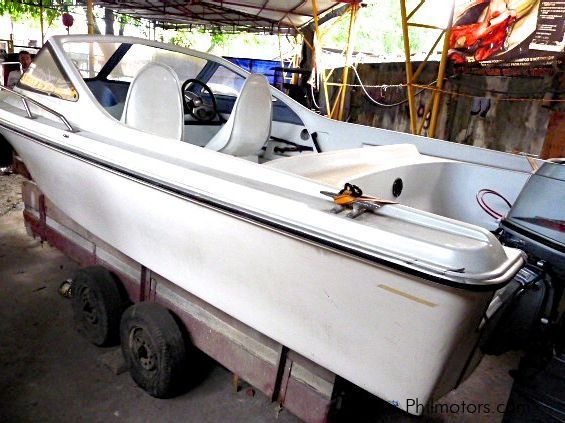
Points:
(97, 305)
(154, 349)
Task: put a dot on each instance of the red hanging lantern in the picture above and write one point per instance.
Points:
(68, 20)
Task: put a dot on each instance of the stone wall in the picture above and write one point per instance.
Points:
(477, 117)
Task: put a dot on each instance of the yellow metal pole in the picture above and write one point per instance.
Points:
(345, 75)
(440, 76)
(409, 74)
(90, 16)
(315, 13)
(420, 68)
(326, 94)
(426, 111)
(425, 26)
(336, 103)
(413, 12)
(295, 64)
(324, 78)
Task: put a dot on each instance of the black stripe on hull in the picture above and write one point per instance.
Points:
(242, 214)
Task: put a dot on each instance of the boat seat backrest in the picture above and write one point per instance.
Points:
(154, 102)
(249, 125)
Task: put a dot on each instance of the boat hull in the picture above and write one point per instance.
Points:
(395, 334)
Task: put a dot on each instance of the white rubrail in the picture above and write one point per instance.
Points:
(391, 300)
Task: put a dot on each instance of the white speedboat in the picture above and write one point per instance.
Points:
(168, 155)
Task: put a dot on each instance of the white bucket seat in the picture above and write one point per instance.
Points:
(154, 102)
(249, 125)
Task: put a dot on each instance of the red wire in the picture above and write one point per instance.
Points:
(488, 209)
(491, 212)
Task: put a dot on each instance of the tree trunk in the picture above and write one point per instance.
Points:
(109, 21)
(308, 56)
(95, 24)
(307, 61)
(96, 27)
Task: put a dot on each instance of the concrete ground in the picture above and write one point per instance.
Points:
(50, 373)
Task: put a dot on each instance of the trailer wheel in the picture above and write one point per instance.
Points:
(97, 305)
(153, 348)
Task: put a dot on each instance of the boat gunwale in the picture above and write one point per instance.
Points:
(446, 278)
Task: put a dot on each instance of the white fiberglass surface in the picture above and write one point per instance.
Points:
(390, 352)
(446, 188)
(400, 173)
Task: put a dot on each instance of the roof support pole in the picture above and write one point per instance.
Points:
(90, 16)
(351, 36)
(90, 26)
(41, 21)
(425, 61)
(409, 72)
(427, 109)
(310, 60)
(441, 75)
(318, 41)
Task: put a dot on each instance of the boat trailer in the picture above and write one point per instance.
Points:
(290, 380)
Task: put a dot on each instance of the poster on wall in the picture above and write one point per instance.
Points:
(508, 32)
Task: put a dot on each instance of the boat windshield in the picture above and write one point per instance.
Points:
(45, 76)
(121, 61)
(89, 58)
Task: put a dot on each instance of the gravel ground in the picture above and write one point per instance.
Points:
(10, 193)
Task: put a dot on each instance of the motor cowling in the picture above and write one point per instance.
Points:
(524, 314)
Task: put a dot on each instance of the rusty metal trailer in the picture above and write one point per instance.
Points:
(291, 381)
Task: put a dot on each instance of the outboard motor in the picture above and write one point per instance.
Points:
(521, 315)
(536, 221)
(528, 313)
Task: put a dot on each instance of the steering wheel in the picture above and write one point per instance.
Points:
(194, 105)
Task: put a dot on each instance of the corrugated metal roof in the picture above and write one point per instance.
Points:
(273, 16)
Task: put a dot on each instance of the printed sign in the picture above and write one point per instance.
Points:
(507, 32)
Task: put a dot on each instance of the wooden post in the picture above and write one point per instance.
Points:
(90, 16)
(11, 43)
(90, 26)
(41, 21)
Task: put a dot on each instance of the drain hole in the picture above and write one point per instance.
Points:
(397, 187)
